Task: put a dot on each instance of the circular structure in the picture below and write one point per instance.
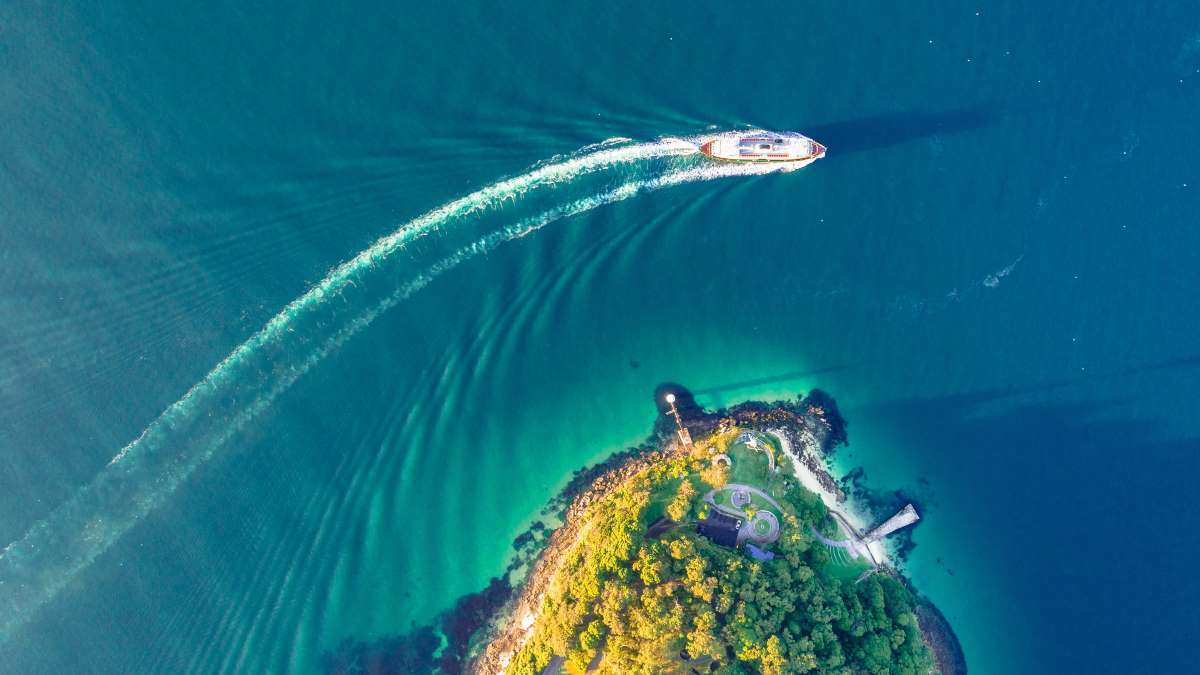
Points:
(764, 527)
(670, 398)
(722, 458)
(740, 498)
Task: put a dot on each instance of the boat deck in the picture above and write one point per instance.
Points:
(762, 147)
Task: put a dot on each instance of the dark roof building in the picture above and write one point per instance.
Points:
(759, 554)
(720, 528)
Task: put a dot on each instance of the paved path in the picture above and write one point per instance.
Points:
(757, 491)
(845, 543)
(747, 531)
(741, 486)
(855, 545)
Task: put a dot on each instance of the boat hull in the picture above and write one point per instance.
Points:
(762, 147)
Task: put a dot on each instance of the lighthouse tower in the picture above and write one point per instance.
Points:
(684, 436)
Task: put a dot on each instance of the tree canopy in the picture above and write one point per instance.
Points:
(631, 604)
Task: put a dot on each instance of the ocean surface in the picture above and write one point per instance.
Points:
(220, 451)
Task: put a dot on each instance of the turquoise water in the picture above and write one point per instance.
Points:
(993, 271)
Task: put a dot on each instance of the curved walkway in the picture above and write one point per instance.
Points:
(855, 545)
(762, 445)
(750, 488)
(741, 486)
(845, 543)
(747, 530)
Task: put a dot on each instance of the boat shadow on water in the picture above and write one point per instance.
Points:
(790, 376)
(889, 129)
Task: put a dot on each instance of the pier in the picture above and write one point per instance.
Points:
(903, 518)
(858, 544)
(685, 437)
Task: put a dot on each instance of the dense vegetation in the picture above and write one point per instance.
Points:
(680, 602)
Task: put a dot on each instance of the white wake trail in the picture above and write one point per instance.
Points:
(35, 568)
(490, 196)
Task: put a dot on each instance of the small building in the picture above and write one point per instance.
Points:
(759, 554)
(721, 528)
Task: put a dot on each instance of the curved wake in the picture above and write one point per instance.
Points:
(383, 248)
(36, 567)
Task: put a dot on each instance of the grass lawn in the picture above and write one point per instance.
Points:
(761, 527)
(749, 466)
(773, 442)
(759, 504)
(841, 566)
(662, 495)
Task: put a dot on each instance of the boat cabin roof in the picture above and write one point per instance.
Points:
(761, 142)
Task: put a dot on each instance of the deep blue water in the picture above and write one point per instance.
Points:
(994, 271)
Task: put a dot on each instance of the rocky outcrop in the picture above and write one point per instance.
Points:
(589, 486)
(942, 641)
(811, 425)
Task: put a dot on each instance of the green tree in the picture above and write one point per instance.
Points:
(641, 601)
(702, 640)
(716, 475)
(773, 659)
(682, 503)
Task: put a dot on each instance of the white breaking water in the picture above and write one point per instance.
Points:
(36, 567)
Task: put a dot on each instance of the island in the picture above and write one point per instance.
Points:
(722, 544)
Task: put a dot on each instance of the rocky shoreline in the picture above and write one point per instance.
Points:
(484, 630)
(505, 636)
(940, 637)
(812, 424)
(508, 634)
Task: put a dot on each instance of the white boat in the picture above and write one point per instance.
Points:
(758, 145)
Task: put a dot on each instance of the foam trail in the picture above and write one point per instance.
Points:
(993, 280)
(490, 196)
(35, 568)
